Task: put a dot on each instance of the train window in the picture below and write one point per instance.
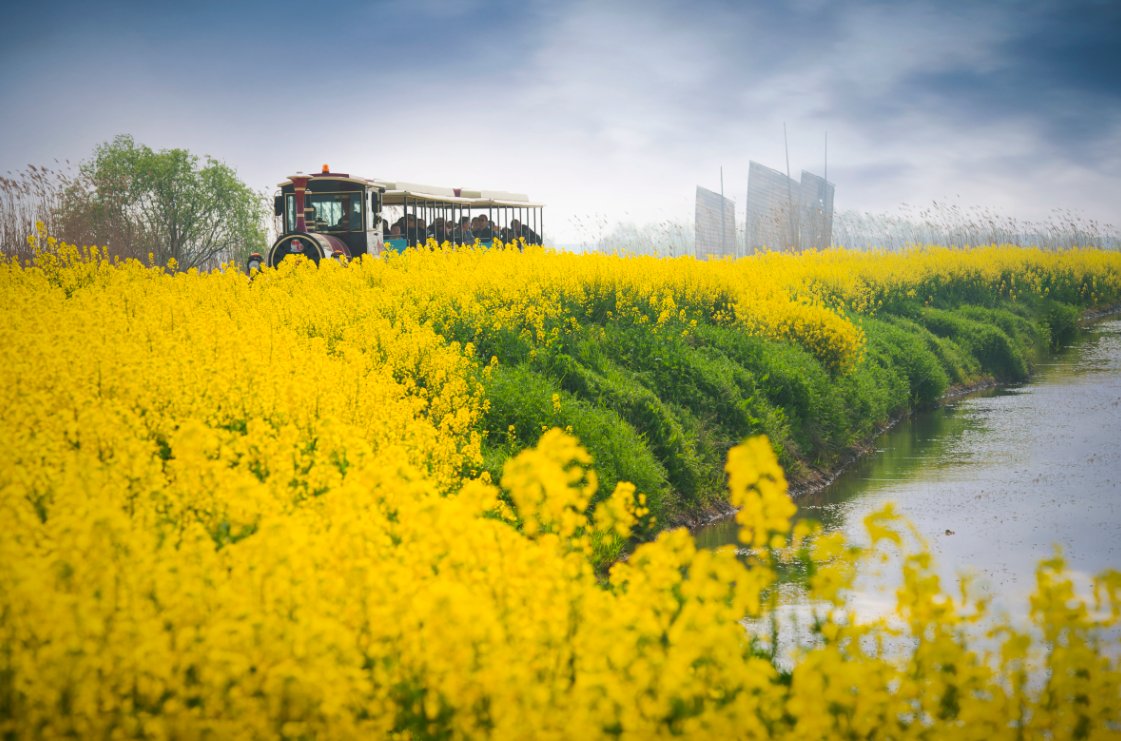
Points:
(334, 212)
(326, 212)
(290, 213)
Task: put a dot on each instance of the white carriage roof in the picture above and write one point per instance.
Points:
(399, 197)
(396, 193)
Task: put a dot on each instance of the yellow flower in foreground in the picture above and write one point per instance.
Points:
(239, 509)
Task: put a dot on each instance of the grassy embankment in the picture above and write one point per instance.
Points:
(662, 408)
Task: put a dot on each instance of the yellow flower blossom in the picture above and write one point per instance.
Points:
(238, 508)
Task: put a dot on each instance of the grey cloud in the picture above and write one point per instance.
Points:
(626, 106)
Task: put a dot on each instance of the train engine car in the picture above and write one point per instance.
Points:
(324, 216)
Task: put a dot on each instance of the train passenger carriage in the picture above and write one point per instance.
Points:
(333, 215)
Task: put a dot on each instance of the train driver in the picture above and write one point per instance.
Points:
(344, 221)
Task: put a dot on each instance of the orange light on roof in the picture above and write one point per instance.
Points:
(326, 169)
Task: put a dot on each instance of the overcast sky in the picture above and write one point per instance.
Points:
(593, 107)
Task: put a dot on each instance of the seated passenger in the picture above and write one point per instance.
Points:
(482, 229)
(439, 230)
(463, 233)
(519, 230)
(414, 229)
(344, 221)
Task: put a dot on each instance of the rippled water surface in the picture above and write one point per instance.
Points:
(994, 482)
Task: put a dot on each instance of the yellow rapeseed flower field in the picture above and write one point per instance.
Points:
(235, 508)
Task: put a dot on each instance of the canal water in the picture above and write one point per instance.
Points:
(993, 482)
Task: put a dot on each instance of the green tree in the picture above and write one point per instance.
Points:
(138, 201)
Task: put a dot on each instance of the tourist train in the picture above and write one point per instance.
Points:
(336, 215)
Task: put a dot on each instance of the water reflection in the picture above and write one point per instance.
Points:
(994, 482)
